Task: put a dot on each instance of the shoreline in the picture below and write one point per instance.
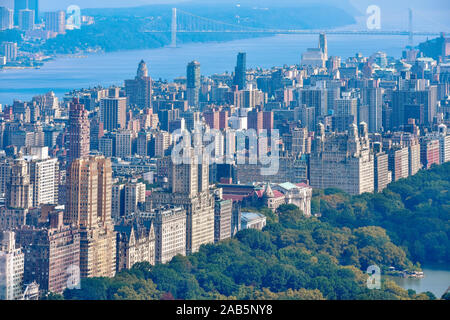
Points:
(82, 54)
(266, 52)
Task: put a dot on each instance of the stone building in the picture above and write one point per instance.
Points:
(135, 243)
(343, 160)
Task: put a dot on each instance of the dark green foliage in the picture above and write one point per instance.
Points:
(11, 35)
(261, 265)
(415, 213)
(53, 296)
(432, 48)
(296, 257)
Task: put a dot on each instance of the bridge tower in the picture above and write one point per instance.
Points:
(411, 32)
(174, 28)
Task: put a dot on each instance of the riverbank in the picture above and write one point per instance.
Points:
(63, 73)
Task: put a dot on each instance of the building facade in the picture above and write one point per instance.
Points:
(88, 207)
(11, 268)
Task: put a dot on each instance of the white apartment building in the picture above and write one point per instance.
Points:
(11, 268)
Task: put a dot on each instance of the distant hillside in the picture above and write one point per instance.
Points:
(306, 16)
(432, 48)
(123, 29)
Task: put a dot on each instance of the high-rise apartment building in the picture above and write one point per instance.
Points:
(118, 201)
(190, 189)
(5, 173)
(382, 175)
(223, 210)
(212, 119)
(240, 72)
(9, 50)
(143, 143)
(44, 175)
(20, 193)
(88, 207)
(170, 232)
(429, 152)
(420, 105)
(444, 144)
(11, 268)
(6, 18)
(345, 112)
(193, 84)
(289, 169)
(79, 131)
(96, 132)
(113, 113)
(106, 145)
(314, 97)
(51, 254)
(123, 144)
(56, 21)
(139, 89)
(373, 98)
(134, 194)
(343, 160)
(399, 162)
(26, 19)
(26, 4)
(323, 45)
(162, 143)
(413, 144)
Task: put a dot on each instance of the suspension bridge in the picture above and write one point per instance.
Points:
(185, 22)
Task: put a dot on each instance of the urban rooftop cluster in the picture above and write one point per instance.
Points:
(88, 184)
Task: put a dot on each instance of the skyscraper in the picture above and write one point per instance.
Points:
(139, 89)
(79, 131)
(44, 177)
(373, 98)
(223, 210)
(346, 113)
(193, 83)
(190, 189)
(323, 45)
(55, 21)
(6, 18)
(240, 72)
(123, 142)
(343, 160)
(314, 97)
(26, 4)
(20, 192)
(113, 113)
(88, 207)
(26, 19)
(416, 103)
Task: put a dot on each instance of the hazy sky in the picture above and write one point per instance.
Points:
(394, 14)
(50, 4)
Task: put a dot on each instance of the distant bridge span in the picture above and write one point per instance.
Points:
(185, 22)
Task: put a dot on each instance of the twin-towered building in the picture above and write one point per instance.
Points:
(343, 160)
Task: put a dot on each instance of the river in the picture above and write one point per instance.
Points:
(66, 73)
